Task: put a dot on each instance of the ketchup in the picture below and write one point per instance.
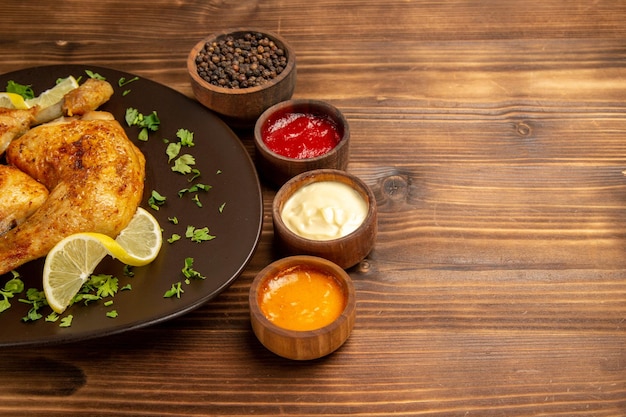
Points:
(300, 135)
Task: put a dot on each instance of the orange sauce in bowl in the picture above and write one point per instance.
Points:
(301, 298)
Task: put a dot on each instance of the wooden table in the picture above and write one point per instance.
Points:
(493, 134)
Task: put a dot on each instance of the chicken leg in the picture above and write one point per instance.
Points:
(95, 175)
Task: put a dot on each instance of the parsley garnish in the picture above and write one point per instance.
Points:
(12, 287)
(198, 235)
(175, 237)
(172, 150)
(147, 123)
(95, 75)
(175, 291)
(23, 90)
(188, 270)
(156, 200)
(186, 137)
(189, 273)
(183, 164)
(66, 321)
(123, 81)
(194, 188)
(36, 299)
(52, 317)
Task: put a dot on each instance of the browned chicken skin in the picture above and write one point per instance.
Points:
(13, 124)
(21, 196)
(89, 96)
(95, 175)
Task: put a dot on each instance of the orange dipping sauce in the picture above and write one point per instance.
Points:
(301, 298)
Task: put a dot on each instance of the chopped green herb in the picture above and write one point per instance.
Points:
(123, 81)
(128, 271)
(112, 314)
(97, 288)
(85, 298)
(13, 286)
(172, 151)
(189, 272)
(175, 291)
(182, 164)
(36, 299)
(156, 200)
(196, 174)
(108, 303)
(147, 123)
(132, 116)
(95, 75)
(186, 137)
(173, 220)
(221, 208)
(66, 321)
(175, 237)
(106, 285)
(23, 90)
(194, 188)
(198, 235)
(126, 287)
(52, 317)
(196, 199)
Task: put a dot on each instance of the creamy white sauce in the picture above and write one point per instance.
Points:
(324, 210)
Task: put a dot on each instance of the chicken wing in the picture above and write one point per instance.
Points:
(89, 96)
(95, 175)
(13, 124)
(21, 196)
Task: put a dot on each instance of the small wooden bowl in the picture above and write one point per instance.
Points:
(240, 107)
(345, 251)
(277, 169)
(308, 344)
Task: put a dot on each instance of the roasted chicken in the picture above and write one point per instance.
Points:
(87, 97)
(21, 196)
(13, 124)
(95, 176)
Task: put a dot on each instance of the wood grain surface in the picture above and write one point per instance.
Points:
(493, 134)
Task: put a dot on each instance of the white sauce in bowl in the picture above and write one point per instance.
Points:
(324, 210)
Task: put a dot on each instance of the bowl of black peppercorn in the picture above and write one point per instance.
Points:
(239, 73)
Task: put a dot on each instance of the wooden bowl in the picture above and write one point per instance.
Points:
(345, 251)
(240, 107)
(276, 168)
(302, 344)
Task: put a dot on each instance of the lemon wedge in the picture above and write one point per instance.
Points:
(12, 101)
(70, 263)
(54, 94)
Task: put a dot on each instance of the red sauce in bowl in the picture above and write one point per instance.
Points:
(300, 135)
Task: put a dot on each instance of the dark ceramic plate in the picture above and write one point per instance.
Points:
(232, 210)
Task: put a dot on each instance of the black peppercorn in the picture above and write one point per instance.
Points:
(248, 60)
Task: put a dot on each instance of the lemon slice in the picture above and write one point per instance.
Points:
(54, 94)
(12, 101)
(70, 263)
(138, 244)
